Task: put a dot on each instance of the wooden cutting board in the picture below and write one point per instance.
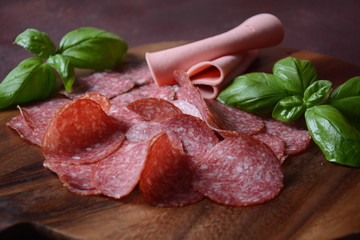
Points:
(320, 200)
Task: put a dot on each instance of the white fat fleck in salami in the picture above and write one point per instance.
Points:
(296, 140)
(76, 176)
(187, 108)
(167, 176)
(239, 171)
(109, 84)
(80, 132)
(275, 143)
(151, 108)
(233, 119)
(118, 174)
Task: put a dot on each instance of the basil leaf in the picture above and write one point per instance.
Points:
(253, 92)
(30, 80)
(346, 98)
(294, 75)
(92, 48)
(65, 69)
(317, 93)
(289, 109)
(36, 42)
(338, 140)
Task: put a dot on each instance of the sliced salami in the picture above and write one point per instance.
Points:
(19, 124)
(139, 73)
(296, 140)
(276, 144)
(80, 132)
(239, 171)
(151, 108)
(188, 92)
(118, 174)
(144, 130)
(233, 119)
(76, 176)
(123, 117)
(187, 108)
(103, 101)
(167, 176)
(109, 84)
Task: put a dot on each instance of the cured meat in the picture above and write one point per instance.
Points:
(118, 174)
(233, 119)
(259, 31)
(276, 144)
(167, 176)
(239, 171)
(196, 136)
(296, 140)
(124, 118)
(19, 124)
(109, 84)
(74, 176)
(99, 99)
(80, 132)
(188, 92)
(139, 73)
(150, 108)
(212, 76)
(187, 108)
(146, 91)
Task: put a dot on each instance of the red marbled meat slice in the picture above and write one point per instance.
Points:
(144, 130)
(167, 176)
(145, 91)
(151, 108)
(187, 108)
(233, 119)
(109, 84)
(80, 132)
(138, 72)
(75, 176)
(188, 92)
(103, 101)
(118, 174)
(276, 144)
(239, 171)
(19, 124)
(123, 117)
(296, 140)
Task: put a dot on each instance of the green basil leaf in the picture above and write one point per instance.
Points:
(36, 42)
(253, 92)
(336, 137)
(65, 69)
(30, 80)
(93, 48)
(317, 93)
(289, 109)
(294, 75)
(346, 98)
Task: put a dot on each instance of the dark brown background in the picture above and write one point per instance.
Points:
(329, 27)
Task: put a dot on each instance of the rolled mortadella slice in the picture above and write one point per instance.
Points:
(260, 31)
(212, 76)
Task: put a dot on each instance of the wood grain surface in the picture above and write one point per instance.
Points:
(320, 200)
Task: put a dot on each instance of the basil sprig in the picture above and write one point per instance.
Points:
(35, 78)
(293, 90)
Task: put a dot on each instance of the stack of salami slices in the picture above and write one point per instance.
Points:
(118, 130)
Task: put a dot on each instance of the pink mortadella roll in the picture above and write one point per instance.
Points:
(212, 76)
(260, 31)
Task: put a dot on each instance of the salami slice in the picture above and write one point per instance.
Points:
(296, 140)
(118, 174)
(187, 108)
(239, 171)
(100, 99)
(123, 117)
(144, 130)
(234, 119)
(139, 73)
(75, 176)
(146, 91)
(151, 108)
(275, 143)
(188, 92)
(80, 132)
(167, 176)
(109, 84)
(19, 124)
